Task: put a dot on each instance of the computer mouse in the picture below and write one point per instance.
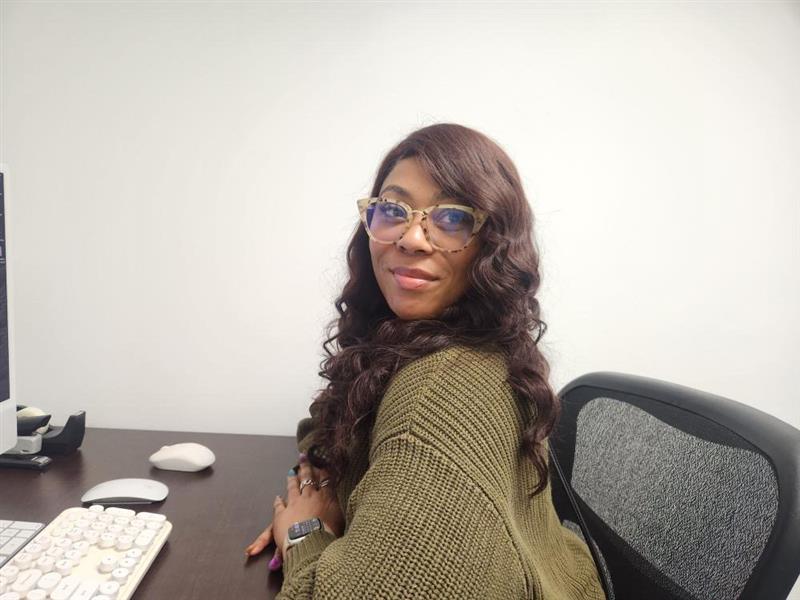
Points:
(188, 456)
(126, 491)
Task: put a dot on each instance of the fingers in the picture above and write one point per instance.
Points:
(261, 542)
(322, 475)
(306, 472)
(277, 560)
(292, 486)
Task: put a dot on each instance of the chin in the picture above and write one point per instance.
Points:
(413, 313)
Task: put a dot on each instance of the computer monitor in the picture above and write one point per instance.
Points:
(8, 409)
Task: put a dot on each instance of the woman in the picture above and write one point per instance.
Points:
(431, 433)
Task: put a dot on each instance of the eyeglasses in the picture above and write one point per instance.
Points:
(448, 227)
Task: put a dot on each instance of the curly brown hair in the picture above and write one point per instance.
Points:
(367, 343)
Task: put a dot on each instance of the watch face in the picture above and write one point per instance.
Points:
(303, 528)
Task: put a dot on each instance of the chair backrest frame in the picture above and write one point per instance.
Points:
(777, 568)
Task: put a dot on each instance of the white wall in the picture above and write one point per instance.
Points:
(183, 177)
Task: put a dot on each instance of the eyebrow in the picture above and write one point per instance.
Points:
(406, 194)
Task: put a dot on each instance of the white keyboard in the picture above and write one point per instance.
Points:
(90, 553)
(14, 535)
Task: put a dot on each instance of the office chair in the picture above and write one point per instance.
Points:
(685, 494)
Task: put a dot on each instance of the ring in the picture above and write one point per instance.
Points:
(306, 482)
(322, 483)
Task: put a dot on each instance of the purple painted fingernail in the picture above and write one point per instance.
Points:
(303, 457)
(275, 563)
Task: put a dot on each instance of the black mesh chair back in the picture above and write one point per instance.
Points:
(688, 495)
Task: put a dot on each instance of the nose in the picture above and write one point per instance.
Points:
(414, 240)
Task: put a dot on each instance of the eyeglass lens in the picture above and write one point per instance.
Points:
(448, 227)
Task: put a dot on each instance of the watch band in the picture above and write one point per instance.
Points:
(302, 529)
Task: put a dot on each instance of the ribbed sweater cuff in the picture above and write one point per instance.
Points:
(307, 551)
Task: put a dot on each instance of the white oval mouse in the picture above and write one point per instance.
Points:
(126, 491)
(188, 456)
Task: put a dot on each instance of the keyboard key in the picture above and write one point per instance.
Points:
(85, 591)
(12, 546)
(45, 563)
(23, 560)
(134, 553)
(64, 566)
(26, 581)
(34, 549)
(109, 588)
(148, 516)
(124, 542)
(49, 581)
(107, 564)
(82, 547)
(65, 588)
(45, 541)
(91, 536)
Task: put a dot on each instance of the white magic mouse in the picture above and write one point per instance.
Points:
(126, 491)
(183, 457)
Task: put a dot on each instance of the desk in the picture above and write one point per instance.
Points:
(215, 513)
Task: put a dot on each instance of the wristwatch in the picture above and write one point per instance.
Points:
(300, 530)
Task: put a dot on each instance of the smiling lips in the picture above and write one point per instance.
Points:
(412, 279)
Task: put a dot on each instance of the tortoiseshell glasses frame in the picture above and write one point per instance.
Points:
(478, 215)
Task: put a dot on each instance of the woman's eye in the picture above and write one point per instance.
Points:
(452, 218)
(392, 211)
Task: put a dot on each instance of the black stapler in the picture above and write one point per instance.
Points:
(37, 440)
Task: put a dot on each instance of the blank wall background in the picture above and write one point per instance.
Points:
(182, 181)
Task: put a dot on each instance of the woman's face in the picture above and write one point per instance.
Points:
(445, 273)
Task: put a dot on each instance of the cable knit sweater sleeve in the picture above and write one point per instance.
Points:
(425, 519)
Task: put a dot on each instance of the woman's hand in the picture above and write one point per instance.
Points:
(329, 512)
(312, 502)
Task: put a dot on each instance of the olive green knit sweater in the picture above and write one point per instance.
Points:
(437, 509)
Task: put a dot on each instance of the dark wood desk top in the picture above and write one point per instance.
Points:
(215, 513)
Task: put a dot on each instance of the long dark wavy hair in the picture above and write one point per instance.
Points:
(367, 343)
